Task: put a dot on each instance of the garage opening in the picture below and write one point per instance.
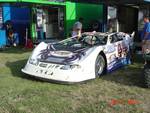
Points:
(19, 17)
(50, 22)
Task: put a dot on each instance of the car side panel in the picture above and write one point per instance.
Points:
(117, 55)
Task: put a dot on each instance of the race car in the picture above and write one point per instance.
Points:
(78, 59)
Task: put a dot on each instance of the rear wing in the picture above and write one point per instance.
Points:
(133, 34)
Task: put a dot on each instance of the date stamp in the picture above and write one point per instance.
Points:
(114, 102)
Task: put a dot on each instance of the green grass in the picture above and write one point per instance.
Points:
(22, 94)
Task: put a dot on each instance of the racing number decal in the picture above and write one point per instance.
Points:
(122, 51)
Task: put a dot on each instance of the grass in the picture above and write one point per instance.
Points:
(22, 94)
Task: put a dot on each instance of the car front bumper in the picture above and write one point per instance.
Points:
(53, 72)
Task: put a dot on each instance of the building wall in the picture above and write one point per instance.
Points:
(6, 13)
(88, 12)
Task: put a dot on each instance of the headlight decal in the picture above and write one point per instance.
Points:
(33, 61)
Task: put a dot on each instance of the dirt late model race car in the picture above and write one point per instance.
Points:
(75, 60)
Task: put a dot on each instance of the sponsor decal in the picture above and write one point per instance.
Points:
(62, 53)
(44, 65)
(122, 50)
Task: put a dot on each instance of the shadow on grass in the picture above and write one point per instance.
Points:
(16, 67)
(131, 75)
(16, 50)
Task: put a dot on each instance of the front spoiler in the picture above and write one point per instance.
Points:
(56, 81)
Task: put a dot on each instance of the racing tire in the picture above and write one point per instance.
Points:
(147, 75)
(100, 65)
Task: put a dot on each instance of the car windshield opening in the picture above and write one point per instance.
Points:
(82, 42)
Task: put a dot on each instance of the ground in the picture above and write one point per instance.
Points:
(121, 91)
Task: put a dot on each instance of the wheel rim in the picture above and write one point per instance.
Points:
(99, 66)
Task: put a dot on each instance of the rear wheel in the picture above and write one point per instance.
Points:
(100, 65)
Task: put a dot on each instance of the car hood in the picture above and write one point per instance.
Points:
(62, 55)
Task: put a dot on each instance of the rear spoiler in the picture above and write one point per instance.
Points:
(133, 34)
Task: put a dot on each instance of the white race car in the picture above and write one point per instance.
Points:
(76, 60)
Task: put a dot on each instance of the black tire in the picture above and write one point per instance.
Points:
(147, 75)
(100, 65)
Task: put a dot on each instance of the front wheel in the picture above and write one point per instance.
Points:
(100, 65)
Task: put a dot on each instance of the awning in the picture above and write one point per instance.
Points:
(123, 2)
(47, 2)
